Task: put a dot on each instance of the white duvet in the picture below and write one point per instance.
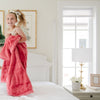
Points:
(42, 91)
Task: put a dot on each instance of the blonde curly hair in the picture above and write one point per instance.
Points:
(19, 16)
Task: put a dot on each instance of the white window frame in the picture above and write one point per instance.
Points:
(60, 6)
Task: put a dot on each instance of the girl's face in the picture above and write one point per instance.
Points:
(11, 20)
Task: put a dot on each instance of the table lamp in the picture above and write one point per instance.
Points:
(81, 55)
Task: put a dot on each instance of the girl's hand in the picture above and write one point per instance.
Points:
(7, 35)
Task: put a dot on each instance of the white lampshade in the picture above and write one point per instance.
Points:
(81, 54)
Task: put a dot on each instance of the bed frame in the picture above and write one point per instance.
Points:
(37, 67)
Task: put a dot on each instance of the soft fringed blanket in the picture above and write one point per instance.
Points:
(13, 71)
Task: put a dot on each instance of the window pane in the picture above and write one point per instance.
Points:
(67, 58)
(82, 20)
(70, 20)
(82, 34)
(68, 73)
(69, 27)
(82, 27)
(69, 39)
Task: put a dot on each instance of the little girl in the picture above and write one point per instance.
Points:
(14, 54)
(15, 17)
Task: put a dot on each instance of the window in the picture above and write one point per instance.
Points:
(77, 26)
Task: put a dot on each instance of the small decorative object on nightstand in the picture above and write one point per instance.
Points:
(76, 83)
(95, 80)
(75, 86)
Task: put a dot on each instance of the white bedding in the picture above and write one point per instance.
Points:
(38, 69)
(42, 91)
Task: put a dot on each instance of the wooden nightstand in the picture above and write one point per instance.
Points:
(88, 94)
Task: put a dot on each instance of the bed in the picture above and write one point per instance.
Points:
(38, 73)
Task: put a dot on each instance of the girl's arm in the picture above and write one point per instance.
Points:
(21, 33)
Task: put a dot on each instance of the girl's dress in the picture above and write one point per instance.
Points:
(14, 71)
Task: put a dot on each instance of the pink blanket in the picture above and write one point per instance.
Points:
(14, 67)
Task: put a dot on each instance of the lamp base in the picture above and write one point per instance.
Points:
(82, 87)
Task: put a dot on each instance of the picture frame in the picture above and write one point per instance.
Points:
(2, 14)
(31, 27)
(95, 80)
